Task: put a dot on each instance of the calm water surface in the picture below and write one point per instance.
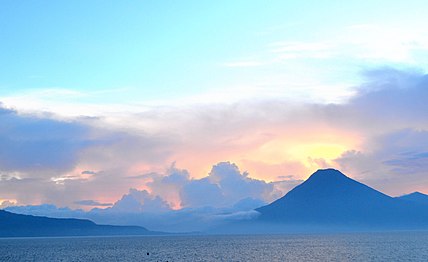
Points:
(408, 246)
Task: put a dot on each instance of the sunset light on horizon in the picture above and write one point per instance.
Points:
(157, 104)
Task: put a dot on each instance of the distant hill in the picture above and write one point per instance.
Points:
(331, 199)
(415, 197)
(15, 225)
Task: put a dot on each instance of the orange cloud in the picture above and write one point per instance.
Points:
(281, 151)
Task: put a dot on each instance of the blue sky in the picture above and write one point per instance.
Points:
(100, 98)
(138, 52)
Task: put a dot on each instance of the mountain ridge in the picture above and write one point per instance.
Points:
(328, 197)
(18, 225)
(415, 197)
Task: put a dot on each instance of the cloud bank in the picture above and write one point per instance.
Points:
(378, 136)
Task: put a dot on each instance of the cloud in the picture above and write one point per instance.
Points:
(236, 185)
(390, 110)
(237, 216)
(397, 161)
(137, 201)
(389, 99)
(248, 204)
(377, 135)
(6, 203)
(39, 144)
(371, 43)
(295, 50)
(168, 185)
(88, 172)
(47, 159)
(92, 203)
(184, 220)
(225, 186)
(201, 193)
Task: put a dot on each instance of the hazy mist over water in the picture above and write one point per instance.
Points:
(393, 246)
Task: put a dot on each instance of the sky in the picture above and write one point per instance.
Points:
(150, 106)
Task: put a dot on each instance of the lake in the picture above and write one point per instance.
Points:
(394, 246)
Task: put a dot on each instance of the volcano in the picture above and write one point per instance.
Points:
(329, 198)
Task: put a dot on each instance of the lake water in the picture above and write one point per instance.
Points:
(396, 246)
